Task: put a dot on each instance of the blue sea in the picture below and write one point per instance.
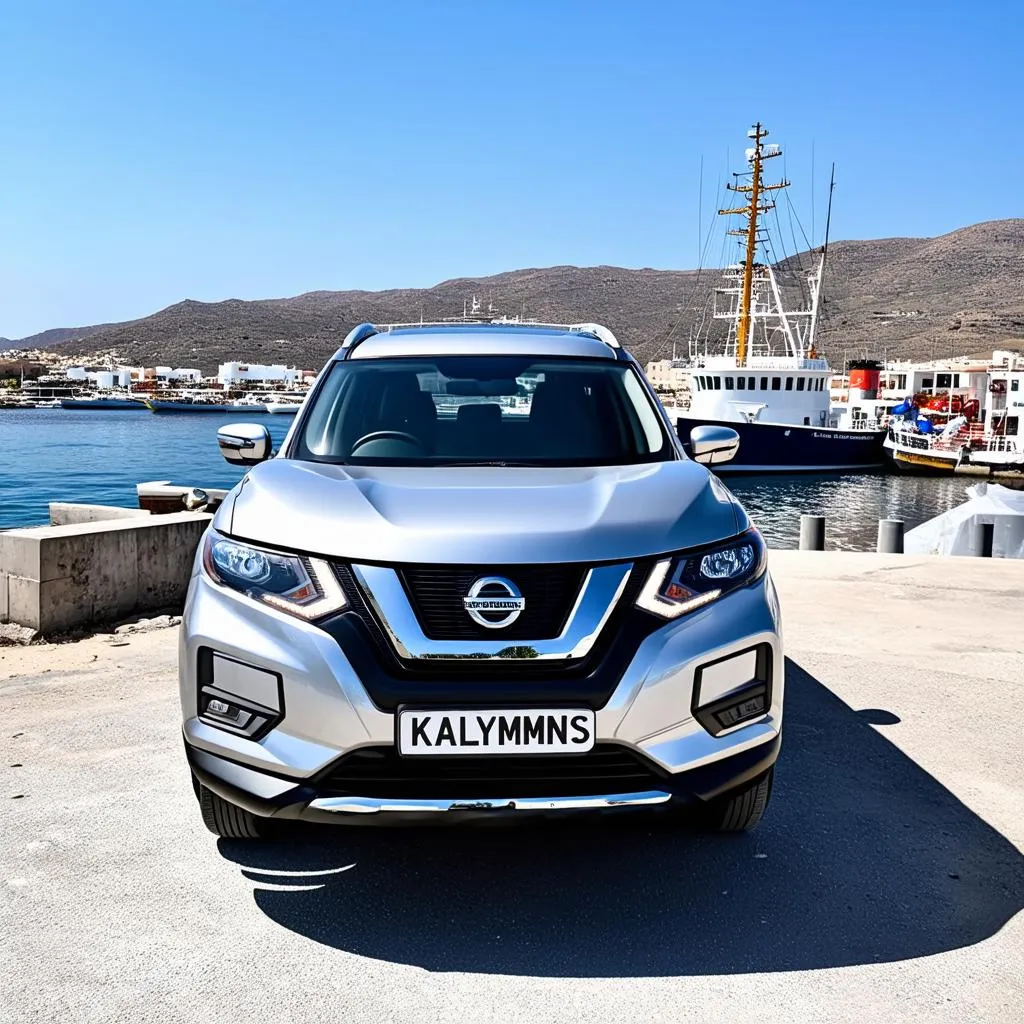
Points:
(98, 457)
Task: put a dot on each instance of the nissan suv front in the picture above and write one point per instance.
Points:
(481, 576)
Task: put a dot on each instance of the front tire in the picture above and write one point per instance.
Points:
(226, 820)
(740, 809)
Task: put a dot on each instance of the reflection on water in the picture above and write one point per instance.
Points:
(851, 505)
(98, 457)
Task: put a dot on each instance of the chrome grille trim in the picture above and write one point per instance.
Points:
(598, 597)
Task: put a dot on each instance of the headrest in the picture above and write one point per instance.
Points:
(479, 416)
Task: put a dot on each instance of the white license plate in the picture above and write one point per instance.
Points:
(516, 731)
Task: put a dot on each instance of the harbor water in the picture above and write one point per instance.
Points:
(98, 457)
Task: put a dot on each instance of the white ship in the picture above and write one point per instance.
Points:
(771, 384)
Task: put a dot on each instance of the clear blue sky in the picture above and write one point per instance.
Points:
(152, 151)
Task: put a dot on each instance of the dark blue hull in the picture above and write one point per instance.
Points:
(777, 448)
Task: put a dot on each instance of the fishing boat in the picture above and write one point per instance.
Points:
(285, 404)
(188, 404)
(770, 384)
(101, 402)
(970, 425)
(249, 403)
(161, 497)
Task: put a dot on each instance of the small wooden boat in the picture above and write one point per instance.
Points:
(161, 497)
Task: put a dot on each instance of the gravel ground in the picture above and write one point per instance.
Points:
(885, 884)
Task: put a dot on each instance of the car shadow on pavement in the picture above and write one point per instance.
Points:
(863, 857)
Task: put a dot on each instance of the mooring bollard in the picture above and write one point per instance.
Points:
(980, 541)
(812, 533)
(890, 536)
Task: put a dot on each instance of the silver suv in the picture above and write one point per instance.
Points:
(480, 577)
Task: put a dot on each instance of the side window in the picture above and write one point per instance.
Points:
(741, 383)
(750, 383)
(718, 383)
(799, 383)
(728, 383)
(776, 383)
(1015, 385)
(764, 383)
(789, 383)
(648, 417)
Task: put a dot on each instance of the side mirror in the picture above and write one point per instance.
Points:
(245, 444)
(711, 445)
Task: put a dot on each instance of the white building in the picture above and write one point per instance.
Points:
(668, 374)
(232, 373)
(189, 374)
(105, 379)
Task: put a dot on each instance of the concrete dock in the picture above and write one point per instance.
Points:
(886, 883)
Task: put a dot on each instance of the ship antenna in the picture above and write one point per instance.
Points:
(828, 214)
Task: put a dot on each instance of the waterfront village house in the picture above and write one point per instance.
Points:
(189, 374)
(668, 375)
(232, 373)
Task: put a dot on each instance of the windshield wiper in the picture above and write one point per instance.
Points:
(504, 463)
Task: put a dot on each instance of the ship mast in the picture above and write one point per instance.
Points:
(756, 156)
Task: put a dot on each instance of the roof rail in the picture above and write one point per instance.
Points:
(597, 331)
(358, 334)
(363, 331)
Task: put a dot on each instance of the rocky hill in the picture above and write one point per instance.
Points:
(959, 293)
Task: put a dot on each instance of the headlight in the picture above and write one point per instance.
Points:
(306, 587)
(688, 581)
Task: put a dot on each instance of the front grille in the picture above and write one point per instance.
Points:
(621, 635)
(381, 772)
(437, 592)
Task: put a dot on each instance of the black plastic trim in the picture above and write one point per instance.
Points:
(760, 685)
(693, 785)
(585, 682)
(206, 684)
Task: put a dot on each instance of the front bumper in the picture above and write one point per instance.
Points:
(330, 716)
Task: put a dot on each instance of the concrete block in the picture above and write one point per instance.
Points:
(64, 513)
(20, 552)
(65, 577)
(165, 551)
(23, 602)
(99, 560)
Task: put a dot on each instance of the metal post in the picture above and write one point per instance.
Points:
(980, 540)
(812, 533)
(890, 536)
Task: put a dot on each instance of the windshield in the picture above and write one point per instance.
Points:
(482, 410)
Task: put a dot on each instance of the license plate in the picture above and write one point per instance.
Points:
(514, 731)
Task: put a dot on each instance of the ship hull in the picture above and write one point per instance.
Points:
(101, 403)
(193, 407)
(784, 448)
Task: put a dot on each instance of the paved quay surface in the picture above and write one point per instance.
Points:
(886, 883)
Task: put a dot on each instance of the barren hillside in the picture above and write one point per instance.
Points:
(915, 297)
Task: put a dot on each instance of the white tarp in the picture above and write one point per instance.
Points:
(950, 533)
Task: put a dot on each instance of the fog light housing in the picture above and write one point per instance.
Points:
(236, 697)
(734, 690)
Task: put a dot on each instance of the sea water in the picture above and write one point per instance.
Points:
(98, 458)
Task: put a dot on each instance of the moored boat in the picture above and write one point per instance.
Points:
(190, 405)
(971, 428)
(101, 402)
(770, 384)
(161, 497)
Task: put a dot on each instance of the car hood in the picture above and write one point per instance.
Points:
(481, 514)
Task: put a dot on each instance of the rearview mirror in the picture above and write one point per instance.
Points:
(711, 445)
(245, 444)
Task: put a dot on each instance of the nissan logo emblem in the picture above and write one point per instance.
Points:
(494, 602)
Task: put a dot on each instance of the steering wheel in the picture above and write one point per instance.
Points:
(387, 435)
